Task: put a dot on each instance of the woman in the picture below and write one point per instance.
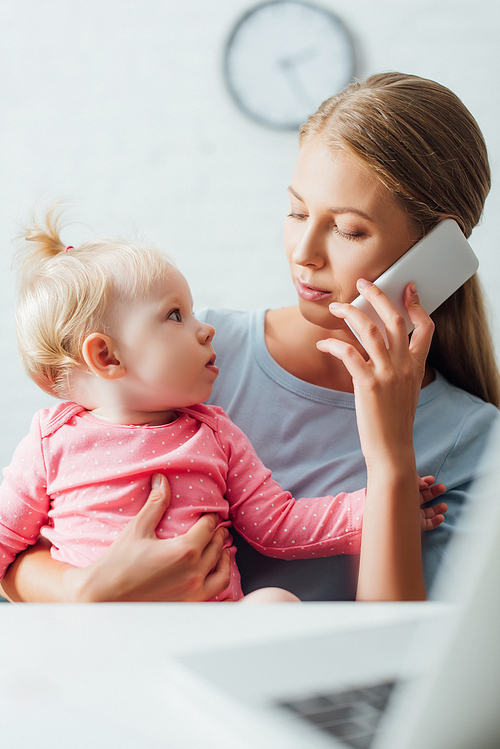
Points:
(379, 165)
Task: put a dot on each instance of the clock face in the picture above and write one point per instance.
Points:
(284, 58)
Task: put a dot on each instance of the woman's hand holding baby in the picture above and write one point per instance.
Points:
(141, 567)
(138, 566)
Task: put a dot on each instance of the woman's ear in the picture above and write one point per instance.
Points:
(99, 353)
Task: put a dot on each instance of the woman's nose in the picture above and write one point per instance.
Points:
(308, 250)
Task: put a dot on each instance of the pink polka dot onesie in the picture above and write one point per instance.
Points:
(78, 480)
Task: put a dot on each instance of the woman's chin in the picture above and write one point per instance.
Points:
(319, 315)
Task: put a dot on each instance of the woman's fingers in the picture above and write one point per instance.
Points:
(212, 552)
(394, 321)
(395, 324)
(424, 327)
(366, 330)
(370, 335)
(148, 517)
(218, 580)
(348, 355)
(202, 536)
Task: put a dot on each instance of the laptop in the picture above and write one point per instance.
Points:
(428, 680)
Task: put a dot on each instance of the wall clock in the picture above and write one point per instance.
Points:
(283, 58)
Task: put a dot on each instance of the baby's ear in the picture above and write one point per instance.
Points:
(100, 355)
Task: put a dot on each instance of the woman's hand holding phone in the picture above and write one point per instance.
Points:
(387, 386)
(386, 390)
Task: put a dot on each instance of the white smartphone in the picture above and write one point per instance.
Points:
(438, 265)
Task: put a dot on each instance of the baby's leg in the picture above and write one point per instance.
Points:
(270, 595)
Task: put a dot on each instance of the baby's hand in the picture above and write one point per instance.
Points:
(430, 517)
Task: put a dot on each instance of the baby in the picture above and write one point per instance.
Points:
(109, 328)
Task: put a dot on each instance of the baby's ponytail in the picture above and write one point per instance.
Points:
(40, 242)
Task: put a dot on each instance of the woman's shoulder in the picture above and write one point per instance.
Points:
(452, 417)
(451, 435)
(234, 329)
(228, 317)
(254, 324)
(442, 394)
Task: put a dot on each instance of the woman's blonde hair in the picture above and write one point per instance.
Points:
(67, 293)
(427, 149)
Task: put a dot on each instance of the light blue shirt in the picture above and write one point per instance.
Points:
(307, 435)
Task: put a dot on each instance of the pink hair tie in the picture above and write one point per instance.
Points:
(68, 248)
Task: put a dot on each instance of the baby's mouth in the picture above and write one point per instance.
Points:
(211, 365)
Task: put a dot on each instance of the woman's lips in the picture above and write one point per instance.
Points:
(310, 293)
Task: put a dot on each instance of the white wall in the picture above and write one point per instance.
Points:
(120, 105)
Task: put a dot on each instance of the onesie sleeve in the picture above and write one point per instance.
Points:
(272, 521)
(24, 502)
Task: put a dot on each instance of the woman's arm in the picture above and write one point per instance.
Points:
(386, 389)
(136, 567)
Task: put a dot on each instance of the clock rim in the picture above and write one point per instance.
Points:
(261, 119)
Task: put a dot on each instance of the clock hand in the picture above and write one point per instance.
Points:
(289, 67)
(302, 56)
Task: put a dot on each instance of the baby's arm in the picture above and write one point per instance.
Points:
(271, 520)
(24, 503)
(276, 524)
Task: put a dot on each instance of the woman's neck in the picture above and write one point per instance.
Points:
(291, 341)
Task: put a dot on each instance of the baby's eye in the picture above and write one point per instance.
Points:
(175, 315)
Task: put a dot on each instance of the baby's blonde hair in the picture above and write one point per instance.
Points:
(65, 296)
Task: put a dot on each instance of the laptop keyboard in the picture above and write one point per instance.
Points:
(352, 716)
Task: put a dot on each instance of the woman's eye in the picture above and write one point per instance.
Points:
(347, 235)
(297, 216)
(175, 315)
